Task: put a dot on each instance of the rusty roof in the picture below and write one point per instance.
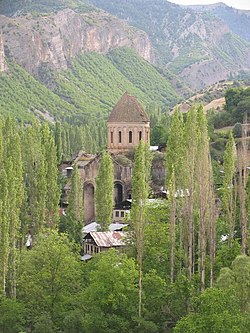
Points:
(108, 238)
(128, 109)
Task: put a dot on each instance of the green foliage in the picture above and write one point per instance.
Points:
(215, 311)
(21, 96)
(104, 191)
(238, 103)
(72, 223)
(111, 294)
(174, 154)
(11, 316)
(143, 76)
(49, 279)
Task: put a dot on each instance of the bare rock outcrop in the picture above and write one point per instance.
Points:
(53, 40)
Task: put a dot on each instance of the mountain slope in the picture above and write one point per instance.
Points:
(87, 90)
(197, 46)
(25, 98)
(94, 82)
(237, 20)
(37, 41)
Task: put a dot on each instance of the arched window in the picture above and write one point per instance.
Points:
(118, 193)
(140, 135)
(120, 137)
(130, 137)
(111, 137)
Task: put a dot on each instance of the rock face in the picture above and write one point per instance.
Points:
(197, 46)
(53, 40)
(2, 56)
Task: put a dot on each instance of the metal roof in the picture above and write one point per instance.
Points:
(109, 238)
(94, 226)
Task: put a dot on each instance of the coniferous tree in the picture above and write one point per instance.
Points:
(104, 191)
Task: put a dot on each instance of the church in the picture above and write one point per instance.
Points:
(127, 124)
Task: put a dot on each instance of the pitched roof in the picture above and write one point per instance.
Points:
(128, 109)
(108, 238)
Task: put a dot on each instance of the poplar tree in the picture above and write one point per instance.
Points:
(12, 163)
(51, 173)
(190, 155)
(172, 202)
(104, 191)
(174, 163)
(74, 218)
(140, 192)
(228, 191)
(204, 188)
(4, 230)
(175, 149)
(242, 182)
(58, 142)
(34, 178)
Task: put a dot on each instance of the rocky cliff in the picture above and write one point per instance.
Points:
(52, 40)
(197, 46)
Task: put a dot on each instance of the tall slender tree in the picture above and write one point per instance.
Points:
(140, 192)
(12, 163)
(190, 155)
(104, 200)
(51, 174)
(74, 219)
(203, 189)
(228, 194)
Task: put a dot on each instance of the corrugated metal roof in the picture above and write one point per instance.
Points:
(93, 226)
(109, 238)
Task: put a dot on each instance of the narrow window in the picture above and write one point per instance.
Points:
(120, 136)
(140, 135)
(117, 213)
(122, 214)
(130, 137)
(111, 138)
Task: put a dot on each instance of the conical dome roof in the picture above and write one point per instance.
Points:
(128, 110)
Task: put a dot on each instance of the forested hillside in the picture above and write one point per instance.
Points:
(196, 45)
(90, 88)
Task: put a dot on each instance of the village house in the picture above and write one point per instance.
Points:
(96, 241)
